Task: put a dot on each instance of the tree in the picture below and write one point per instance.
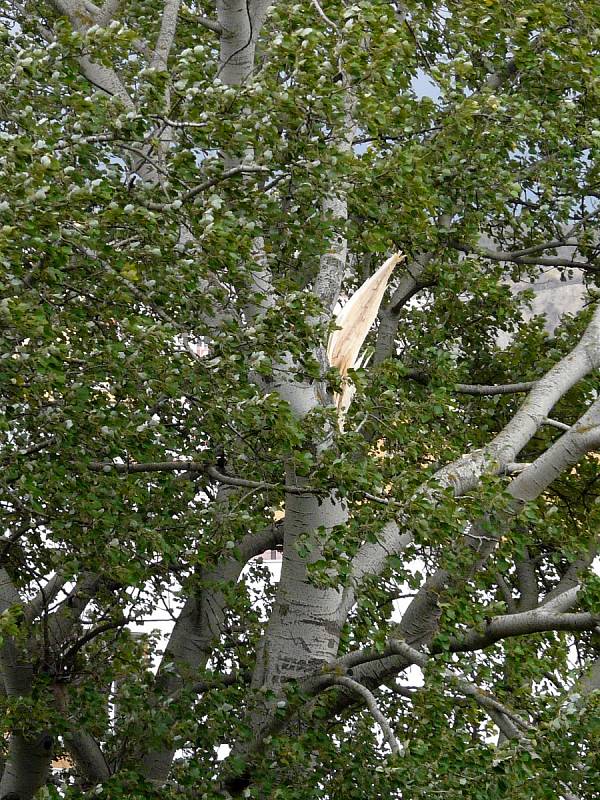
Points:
(189, 191)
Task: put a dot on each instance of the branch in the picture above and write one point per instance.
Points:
(193, 466)
(253, 544)
(44, 597)
(82, 746)
(61, 622)
(554, 423)
(421, 618)
(467, 688)
(539, 248)
(565, 452)
(216, 682)
(76, 9)
(323, 15)
(421, 376)
(527, 583)
(493, 389)
(371, 703)
(166, 36)
(562, 601)
(200, 19)
(507, 729)
(107, 12)
(28, 451)
(536, 621)
(150, 466)
(410, 283)
(571, 578)
(209, 24)
(240, 169)
(584, 219)
(242, 483)
(82, 15)
(197, 629)
(464, 473)
(87, 754)
(420, 621)
(542, 261)
(91, 635)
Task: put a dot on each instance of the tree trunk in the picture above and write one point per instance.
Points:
(304, 628)
(27, 766)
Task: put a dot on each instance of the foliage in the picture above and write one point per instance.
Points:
(167, 229)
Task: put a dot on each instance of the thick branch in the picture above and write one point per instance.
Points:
(82, 746)
(62, 622)
(493, 389)
(107, 12)
(196, 630)
(536, 621)
(166, 36)
(82, 16)
(515, 258)
(463, 474)
(44, 597)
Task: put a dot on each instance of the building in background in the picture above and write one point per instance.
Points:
(554, 295)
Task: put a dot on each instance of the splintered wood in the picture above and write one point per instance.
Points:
(354, 323)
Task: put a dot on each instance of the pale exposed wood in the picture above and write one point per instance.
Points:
(354, 323)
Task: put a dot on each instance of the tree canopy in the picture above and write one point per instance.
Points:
(190, 191)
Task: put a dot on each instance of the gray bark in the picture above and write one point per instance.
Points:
(410, 283)
(196, 631)
(333, 263)
(241, 23)
(464, 473)
(29, 752)
(420, 621)
(27, 765)
(200, 621)
(304, 627)
(88, 756)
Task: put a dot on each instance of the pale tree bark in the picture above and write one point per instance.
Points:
(419, 623)
(200, 622)
(335, 206)
(197, 629)
(82, 16)
(304, 627)
(81, 745)
(303, 646)
(29, 751)
(241, 23)
(464, 474)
